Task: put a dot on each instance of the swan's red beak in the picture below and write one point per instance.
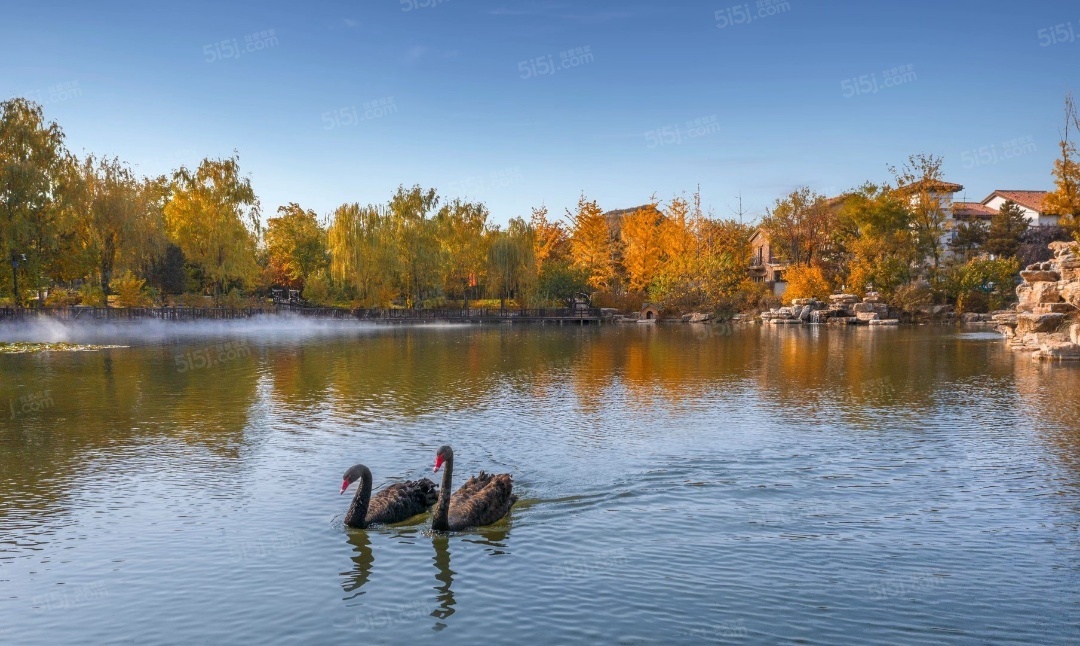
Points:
(438, 463)
(344, 485)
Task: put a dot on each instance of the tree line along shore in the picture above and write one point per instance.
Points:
(90, 231)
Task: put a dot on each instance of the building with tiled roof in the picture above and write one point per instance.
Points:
(966, 211)
(1032, 203)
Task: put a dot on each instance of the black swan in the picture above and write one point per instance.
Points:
(393, 504)
(482, 500)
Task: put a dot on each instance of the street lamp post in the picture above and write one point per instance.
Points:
(16, 258)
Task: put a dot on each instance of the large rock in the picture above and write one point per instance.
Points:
(1028, 322)
(863, 307)
(698, 317)
(885, 322)
(1060, 248)
(1032, 294)
(1063, 350)
(1054, 308)
(1070, 293)
(865, 317)
(1040, 276)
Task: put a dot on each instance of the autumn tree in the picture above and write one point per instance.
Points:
(361, 255)
(798, 226)
(1064, 200)
(919, 181)
(296, 245)
(879, 236)
(1007, 227)
(461, 231)
(33, 168)
(414, 242)
(591, 243)
(123, 226)
(213, 215)
(806, 281)
(552, 239)
(643, 246)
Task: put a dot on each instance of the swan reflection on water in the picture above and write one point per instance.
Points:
(363, 561)
(445, 578)
(494, 538)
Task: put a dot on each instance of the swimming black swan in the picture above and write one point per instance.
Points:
(482, 500)
(393, 504)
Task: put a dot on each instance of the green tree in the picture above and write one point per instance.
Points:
(968, 237)
(461, 230)
(296, 245)
(875, 228)
(1007, 226)
(415, 243)
(213, 215)
(512, 262)
(361, 257)
(561, 280)
(35, 168)
(980, 283)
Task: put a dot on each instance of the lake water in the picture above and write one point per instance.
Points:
(678, 484)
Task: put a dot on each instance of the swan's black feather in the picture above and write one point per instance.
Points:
(401, 501)
(482, 500)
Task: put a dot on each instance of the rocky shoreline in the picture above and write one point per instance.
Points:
(1046, 321)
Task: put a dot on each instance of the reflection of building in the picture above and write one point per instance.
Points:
(764, 266)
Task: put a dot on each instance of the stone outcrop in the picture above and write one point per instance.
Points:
(1045, 320)
(842, 309)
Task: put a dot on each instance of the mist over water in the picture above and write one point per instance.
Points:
(278, 327)
(678, 484)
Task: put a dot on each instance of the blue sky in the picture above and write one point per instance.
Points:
(666, 96)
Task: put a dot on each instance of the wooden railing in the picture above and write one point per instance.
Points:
(223, 313)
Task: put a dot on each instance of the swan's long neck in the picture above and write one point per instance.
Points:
(439, 520)
(358, 509)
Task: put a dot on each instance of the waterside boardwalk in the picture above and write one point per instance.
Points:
(554, 316)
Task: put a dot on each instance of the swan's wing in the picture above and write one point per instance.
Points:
(470, 488)
(487, 500)
(401, 501)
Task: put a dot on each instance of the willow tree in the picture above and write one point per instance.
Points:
(360, 253)
(415, 244)
(33, 168)
(511, 267)
(213, 215)
(460, 230)
(123, 225)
